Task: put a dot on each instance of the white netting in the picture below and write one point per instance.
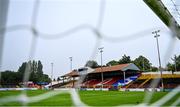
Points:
(172, 5)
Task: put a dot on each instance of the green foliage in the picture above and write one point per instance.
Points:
(142, 63)
(34, 68)
(58, 79)
(21, 70)
(45, 78)
(154, 69)
(39, 68)
(54, 79)
(111, 63)
(125, 59)
(170, 67)
(92, 64)
(9, 78)
(175, 65)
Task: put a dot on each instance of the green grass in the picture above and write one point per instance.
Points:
(92, 98)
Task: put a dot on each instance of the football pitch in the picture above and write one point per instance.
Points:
(91, 98)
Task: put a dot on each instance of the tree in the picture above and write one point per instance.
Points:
(35, 68)
(39, 68)
(154, 69)
(143, 63)
(112, 63)
(58, 79)
(45, 78)
(21, 70)
(9, 78)
(176, 62)
(33, 71)
(125, 59)
(175, 65)
(54, 79)
(170, 67)
(92, 64)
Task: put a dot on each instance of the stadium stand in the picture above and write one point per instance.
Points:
(127, 81)
(144, 81)
(113, 78)
(90, 83)
(111, 74)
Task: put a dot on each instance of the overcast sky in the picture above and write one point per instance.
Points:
(121, 18)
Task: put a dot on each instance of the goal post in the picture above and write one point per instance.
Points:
(3, 19)
(163, 13)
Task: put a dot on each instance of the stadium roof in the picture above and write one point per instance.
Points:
(158, 75)
(110, 68)
(120, 67)
(71, 73)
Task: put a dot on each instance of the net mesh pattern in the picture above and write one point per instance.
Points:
(172, 6)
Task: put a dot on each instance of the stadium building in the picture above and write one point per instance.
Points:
(123, 76)
(148, 79)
